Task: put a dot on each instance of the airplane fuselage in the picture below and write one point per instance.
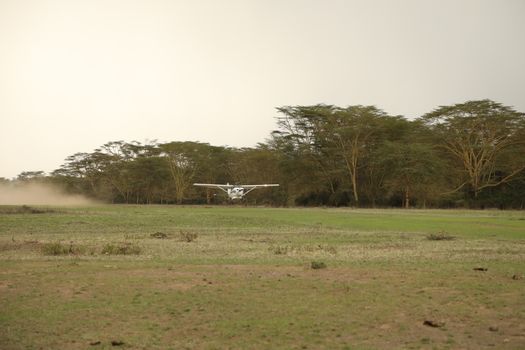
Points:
(236, 193)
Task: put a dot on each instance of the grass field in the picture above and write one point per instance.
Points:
(166, 277)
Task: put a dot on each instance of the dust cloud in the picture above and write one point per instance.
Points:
(38, 194)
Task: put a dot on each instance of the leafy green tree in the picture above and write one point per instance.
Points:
(305, 157)
(336, 140)
(413, 169)
(257, 166)
(213, 167)
(118, 163)
(184, 161)
(87, 168)
(374, 173)
(352, 134)
(150, 178)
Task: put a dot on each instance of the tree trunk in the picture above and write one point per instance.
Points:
(354, 188)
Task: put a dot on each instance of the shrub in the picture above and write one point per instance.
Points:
(160, 235)
(187, 236)
(61, 249)
(55, 249)
(440, 236)
(280, 250)
(318, 265)
(121, 249)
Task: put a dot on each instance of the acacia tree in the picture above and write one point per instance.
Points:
(375, 172)
(150, 178)
(116, 170)
(485, 138)
(300, 174)
(414, 169)
(213, 167)
(27, 176)
(88, 171)
(352, 133)
(121, 163)
(336, 139)
(302, 136)
(256, 166)
(184, 159)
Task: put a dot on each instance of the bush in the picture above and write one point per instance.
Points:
(280, 250)
(440, 236)
(61, 249)
(187, 236)
(318, 265)
(159, 235)
(122, 249)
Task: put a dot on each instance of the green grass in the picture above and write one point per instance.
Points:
(157, 277)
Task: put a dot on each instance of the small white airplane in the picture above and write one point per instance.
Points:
(236, 191)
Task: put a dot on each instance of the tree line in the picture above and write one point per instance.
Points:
(470, 154)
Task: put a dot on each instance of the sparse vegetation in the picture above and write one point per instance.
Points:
(440, 236)
(121, 249)
(187, 236)
(20, 246)
(250, 269)
(58, 248)
(316, 265)
(307, 248)
(280, 249)
(24, 209)
(55, 249)
(159, 235)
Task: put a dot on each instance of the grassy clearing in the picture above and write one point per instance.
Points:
(226, 277)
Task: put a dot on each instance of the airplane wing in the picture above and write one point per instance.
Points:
(215, 185)
(250, 188)
(219, 186)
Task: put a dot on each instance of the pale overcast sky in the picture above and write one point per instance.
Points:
(76, 74)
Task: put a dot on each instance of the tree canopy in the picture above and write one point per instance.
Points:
(469, 154)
